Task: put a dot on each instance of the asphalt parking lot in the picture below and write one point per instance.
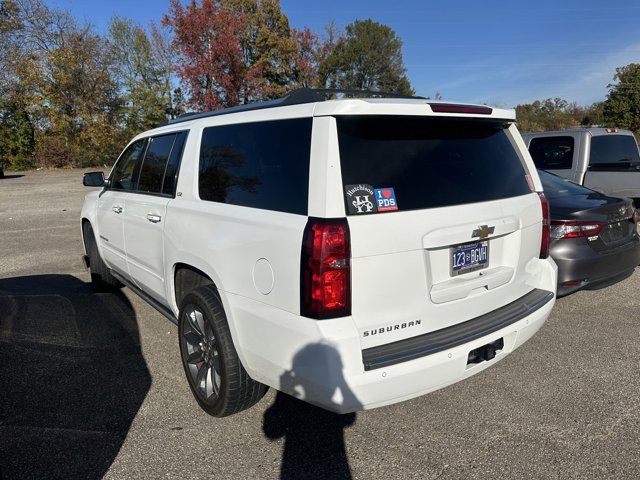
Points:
(91, 385)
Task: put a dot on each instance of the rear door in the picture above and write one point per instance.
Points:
(111, 206)
(145, 212)
(444, 223)
(614, 165)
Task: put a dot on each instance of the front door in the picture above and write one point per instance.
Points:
(110, 233)
(111, 207)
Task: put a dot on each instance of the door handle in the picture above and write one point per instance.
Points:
(117, 209)
(154, 218)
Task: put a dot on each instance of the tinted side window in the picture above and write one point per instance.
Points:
(125, 173)
(613, 152)
(261, 165)
(155, 162)
(552, 153)
(171, 172)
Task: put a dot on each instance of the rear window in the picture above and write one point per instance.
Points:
(613, 152)
(260, 165)
(552, 153)
(411, 163)
(555, 186)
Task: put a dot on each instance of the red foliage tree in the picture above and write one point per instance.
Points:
(305, 65)
(207, 39)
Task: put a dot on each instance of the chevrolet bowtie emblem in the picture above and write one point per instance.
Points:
(483, 231)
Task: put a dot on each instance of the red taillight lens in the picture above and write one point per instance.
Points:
(546, 226)
(451, 108)
(574, 228)
(325, 290)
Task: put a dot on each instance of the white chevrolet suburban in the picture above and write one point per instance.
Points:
(351, 252)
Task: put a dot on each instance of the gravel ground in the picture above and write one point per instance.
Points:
(91, 385)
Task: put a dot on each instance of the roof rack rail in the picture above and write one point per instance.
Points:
(309, 95)
(295, 97)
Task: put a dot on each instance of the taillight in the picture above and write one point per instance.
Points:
(546, 226)
(574, 228)
(325, 290)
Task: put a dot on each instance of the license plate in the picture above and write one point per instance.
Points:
(469, 257)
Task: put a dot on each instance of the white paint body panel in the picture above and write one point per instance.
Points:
(144, 242)
(253, 257)
(110, 229)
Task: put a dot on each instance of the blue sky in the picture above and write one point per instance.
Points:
(499, 52)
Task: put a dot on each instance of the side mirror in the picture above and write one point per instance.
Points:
(93, 179)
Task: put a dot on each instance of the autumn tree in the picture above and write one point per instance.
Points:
(368, 57)
(549, 114)
(17, 136)
(622, 105)
(304, 68)
(58, 78)
(81, 103)
(18, 71)
(211, 64)
(165, 56)
(140, 75)
(269, 45)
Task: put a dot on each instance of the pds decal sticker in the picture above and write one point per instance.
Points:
(360, 199)
(385, 199)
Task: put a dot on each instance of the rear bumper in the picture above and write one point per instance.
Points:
(411, 379)
(322, 362)
(577, 261)
(433, 342)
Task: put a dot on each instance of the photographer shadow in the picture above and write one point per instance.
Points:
(314, 445)
(72, 377)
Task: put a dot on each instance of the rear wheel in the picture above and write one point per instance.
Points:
(101, 278)
(217, 379)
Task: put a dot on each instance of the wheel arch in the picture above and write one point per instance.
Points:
(194, 277)
(187, 278)
(84, 221)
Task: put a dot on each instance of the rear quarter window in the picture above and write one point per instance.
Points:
(261, 165)
(429, 162)
(552, 153)
(613, 153)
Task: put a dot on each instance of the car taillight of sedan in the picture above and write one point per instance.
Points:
(574, 228)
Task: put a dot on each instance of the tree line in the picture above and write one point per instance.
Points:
(621, 108)
(71, 96)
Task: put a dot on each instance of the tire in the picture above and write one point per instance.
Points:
(101, 278)
(215, 374)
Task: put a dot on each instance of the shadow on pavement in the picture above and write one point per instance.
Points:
(9, 177)
(72, 377)
(314, 445)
